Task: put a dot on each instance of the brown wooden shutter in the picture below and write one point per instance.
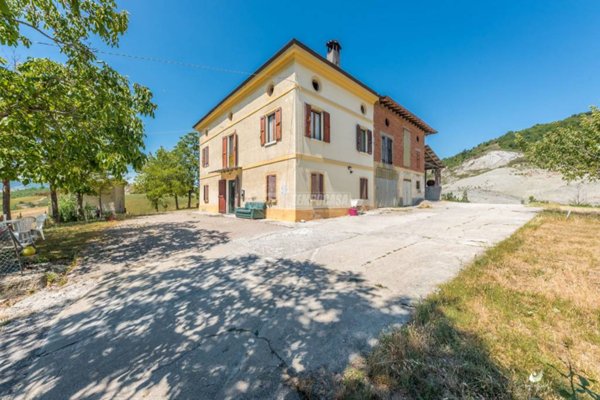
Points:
(278, 124)
(313, 186)
(358, 138)
(262, 131)
(326, 128)
(321, 187)
(307, 111)
(203, 162)
(235, 150)
(364, 188)
(224, 153)
(271, 187)
(370, 142)
(206, 155)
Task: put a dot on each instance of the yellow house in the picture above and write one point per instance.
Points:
(297, 134)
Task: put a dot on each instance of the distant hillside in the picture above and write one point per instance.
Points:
(508, 140)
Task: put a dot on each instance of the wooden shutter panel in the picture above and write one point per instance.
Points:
(364, 188)
(313, 186)
(262, 130)
(370, 142)
(235, 150)
(358, 138)
(203, 162)
(307, 110)
(326, 130)
(224, 152)
(278, 124)
(206, 155)
(321, 187)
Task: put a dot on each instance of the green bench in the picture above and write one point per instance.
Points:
(251, 210)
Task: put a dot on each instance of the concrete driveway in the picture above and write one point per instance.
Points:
(194, 306)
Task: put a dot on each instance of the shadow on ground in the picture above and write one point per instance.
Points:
(152, 241)
(179, 325)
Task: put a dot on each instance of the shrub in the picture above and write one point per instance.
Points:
(67, 208)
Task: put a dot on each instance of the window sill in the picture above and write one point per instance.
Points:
(270, 143)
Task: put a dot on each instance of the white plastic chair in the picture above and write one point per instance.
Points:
(23, 229)
(39, 225)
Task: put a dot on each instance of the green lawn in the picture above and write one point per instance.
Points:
(530, 304)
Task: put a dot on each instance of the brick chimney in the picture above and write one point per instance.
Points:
(333, 52)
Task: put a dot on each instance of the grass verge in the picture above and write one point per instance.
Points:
(65, 241)
(528, 308)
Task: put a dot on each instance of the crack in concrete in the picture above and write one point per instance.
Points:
(255, 333)
(389, 253)
(61, 348)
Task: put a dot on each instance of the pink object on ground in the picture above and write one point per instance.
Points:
(353, 211)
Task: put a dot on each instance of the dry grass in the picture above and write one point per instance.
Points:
(65, 241)
(531, 303)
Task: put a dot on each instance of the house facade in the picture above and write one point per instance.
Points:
(310, 140)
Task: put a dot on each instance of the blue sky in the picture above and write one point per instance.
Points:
(472, 69)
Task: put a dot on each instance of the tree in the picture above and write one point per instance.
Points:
(573, 151)
(67, 23)
(187, 152)
(162, 176)
(70, 123)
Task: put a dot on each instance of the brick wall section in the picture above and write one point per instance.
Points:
(396, 131)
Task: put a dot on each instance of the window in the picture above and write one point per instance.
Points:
(363, 140)
(406, 158)
(316, 186)
(270, 89)
(271, 187)
(205, 157)
(364, 188)
(205, 193)
(418, 160)
(316, 125)
(419, 185)
(363, 109)
(386, 150)
(270, 129)
(316, 85)
(230, 151)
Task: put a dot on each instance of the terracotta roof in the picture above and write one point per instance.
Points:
(388, 102)
(432, 161)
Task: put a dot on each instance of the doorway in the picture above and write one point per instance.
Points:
(232, 196)
(407, 192)
(222, 196)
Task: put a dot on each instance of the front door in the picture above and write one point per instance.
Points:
(232, 196)
(222, 196)
(407, 193)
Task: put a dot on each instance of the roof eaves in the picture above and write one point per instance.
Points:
(388, 102)
(273, 58)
